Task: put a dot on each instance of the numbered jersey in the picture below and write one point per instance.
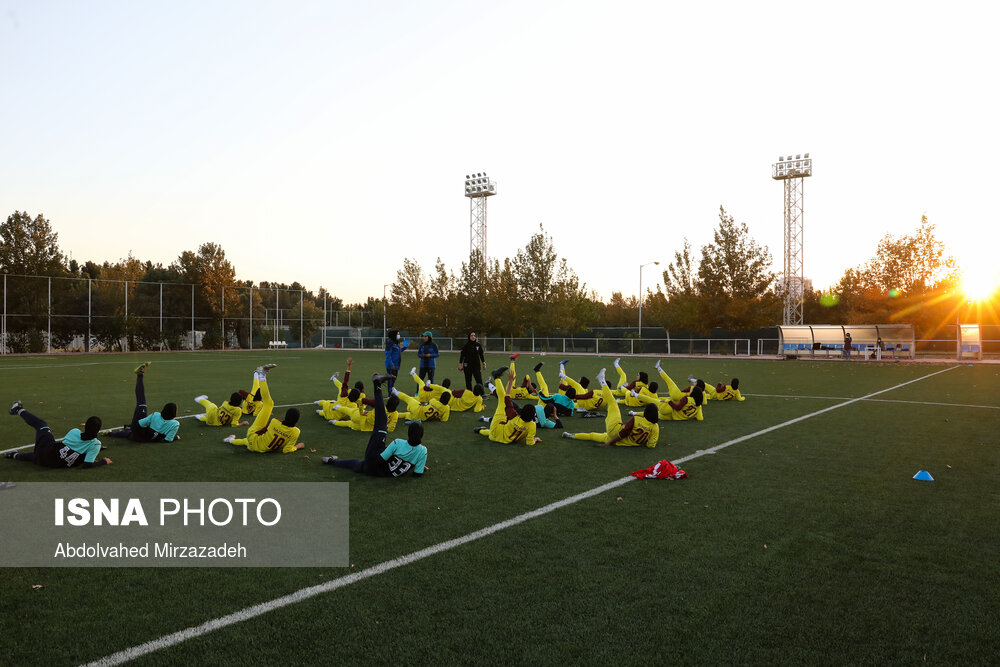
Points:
(276, 438)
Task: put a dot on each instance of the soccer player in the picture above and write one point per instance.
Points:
(508, 424)
(434, 410)
(228, 413)
(586, 400)
(77, 448)
(266, 434)
(162, 425)
(396, 459)
(251, 399)
(725, 392)
(680, 405)
(462, 400)
(564, 402)
(347, 397)
(361, 420)
(639, 385)
(527, 388)
(640, 430)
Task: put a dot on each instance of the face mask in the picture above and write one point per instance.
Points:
(398, 337)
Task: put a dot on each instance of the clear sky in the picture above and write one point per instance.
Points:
(325, 141)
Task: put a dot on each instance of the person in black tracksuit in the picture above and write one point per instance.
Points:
(472, 361)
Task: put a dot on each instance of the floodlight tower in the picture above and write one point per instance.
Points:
(792, 170)
(477, 188)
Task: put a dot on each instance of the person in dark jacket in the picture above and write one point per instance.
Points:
(472, 361)
(428, 353)
(394, 347)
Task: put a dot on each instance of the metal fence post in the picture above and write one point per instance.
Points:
(161, 317)
(250, 332)
(48, 343)
(192, 316)
(301, 328)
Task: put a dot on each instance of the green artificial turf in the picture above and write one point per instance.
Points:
(808, 544)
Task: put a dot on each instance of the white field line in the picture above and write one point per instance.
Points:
(879, 400)
(304, 594)
(125, 363)
(108, 430)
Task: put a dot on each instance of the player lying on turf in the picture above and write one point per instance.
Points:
(433, 410)
(364, 420)
(679, 405)
(508, 424)
(565, 402)
(227, 414)
(639, 385)
(396, 459)
(640, 430)
(462, 400)
(725, 392)
(527, 388)
(77, 448)
(354, 396)
(586, 400)
(266, 434)
(252, 402)
(158, 426)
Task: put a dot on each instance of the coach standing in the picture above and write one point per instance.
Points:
(393, 354)
(472, 361)
(428, 352)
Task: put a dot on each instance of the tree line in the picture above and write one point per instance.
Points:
(728, 285)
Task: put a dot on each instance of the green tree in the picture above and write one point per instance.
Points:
(683, 309)
(735, 283)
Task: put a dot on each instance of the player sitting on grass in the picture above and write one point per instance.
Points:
(158, 426)
(266, 434)
(462, 400)
(640, 430)
(77, 448)
(508, 424)
(396, 459)
(680, 405)
(364, 420)
(228, 413)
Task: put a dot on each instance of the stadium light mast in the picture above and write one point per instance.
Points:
(478, 187)
(792, 170)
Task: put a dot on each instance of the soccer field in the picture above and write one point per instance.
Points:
(800, 536)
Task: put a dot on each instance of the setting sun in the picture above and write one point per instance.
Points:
(980, 284)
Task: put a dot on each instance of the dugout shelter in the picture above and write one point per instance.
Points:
(827, 340)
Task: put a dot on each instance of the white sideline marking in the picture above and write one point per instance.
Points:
(304, 594)
(880, 400)
(128, 363)
(108, 430)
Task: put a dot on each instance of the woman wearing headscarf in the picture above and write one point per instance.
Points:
(472, 361)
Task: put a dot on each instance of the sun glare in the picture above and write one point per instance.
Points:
(980, 285)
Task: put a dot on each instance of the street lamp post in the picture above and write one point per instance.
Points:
(641, 267)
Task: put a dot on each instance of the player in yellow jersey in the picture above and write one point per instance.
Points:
(640, 430)
(433, 410)
(252, 402)
(639, 385)
(347, 397)
(725, 392)
(508, 424)
(680, 405)
(266, 434)
(227, 414)
(359, 420)
(462, 400)
(527, 388)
